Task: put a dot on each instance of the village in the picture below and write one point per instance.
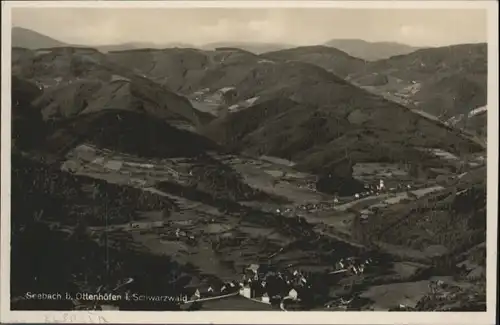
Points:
(264, 243)
(285, 289)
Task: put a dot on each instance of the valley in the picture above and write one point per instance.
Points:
(186, 170)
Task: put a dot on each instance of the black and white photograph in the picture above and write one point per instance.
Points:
(249, 156)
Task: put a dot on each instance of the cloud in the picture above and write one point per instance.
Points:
(305, 26)
(413, 31)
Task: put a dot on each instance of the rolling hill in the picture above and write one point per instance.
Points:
(130, 132)
(328, 58)
(325, 120)
(170, 67)
(78, 80)
(32, 40)
(444, 81)
(126, 46)
(256, 48)
(139, 45)
(370, 51)
(232, 129)
(26, 38)
(313, 116)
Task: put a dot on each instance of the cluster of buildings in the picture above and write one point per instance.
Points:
(381, 188)
(265, 284)
(179, 234)
(317, 206)
(352, 265)
(308, 185)
(164, 229)
(442, 296)
(308, 207)
(260, 283)
(206, 291)
(375, 189)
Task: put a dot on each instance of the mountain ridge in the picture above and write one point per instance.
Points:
(371, 51)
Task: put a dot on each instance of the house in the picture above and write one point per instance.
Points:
(196, 295)
(229, 287)
(199, 290)
(266, 299)
(246, 291)
(353, 269)
(293, 294)
(345, 302)
(206, 289)
(227, 94)
(252, 269)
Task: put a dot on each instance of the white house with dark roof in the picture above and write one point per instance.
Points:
(246, 291)
(293, 294)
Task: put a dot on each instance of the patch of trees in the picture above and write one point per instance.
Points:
(67, 198)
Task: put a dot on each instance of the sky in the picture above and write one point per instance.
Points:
(297, 26)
